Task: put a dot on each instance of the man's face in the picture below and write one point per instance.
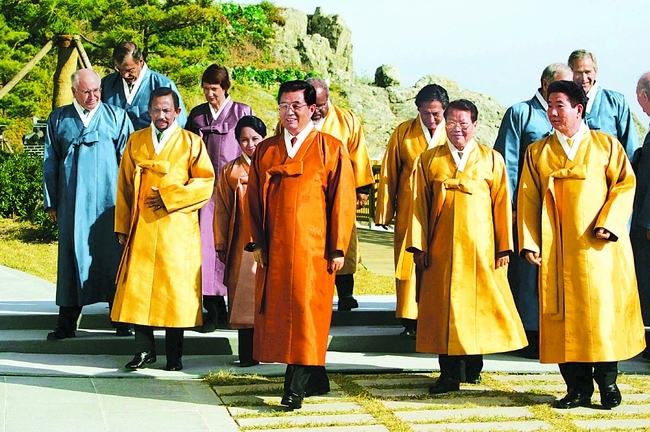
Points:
(584, 73)
(460, 127)
(562, 115)
(130, 69)
(431, 114)
(214, 94)
(294, 112)
(644, 100)
(162, 112)
(322, 104)
(88, 91)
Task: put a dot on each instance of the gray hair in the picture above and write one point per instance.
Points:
(319, 83)
(581, 54)
(644, 83)
(551, 70)
(75, 76)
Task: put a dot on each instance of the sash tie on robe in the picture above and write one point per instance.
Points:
(221, 128)
(552, 300)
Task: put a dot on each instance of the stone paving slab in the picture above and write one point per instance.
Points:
(257, 388)
(428, 403)
(597, 410)
(557, 388)
(632, 424)
(439, 415)
(252, 400)
(638, 397)
(385, 382)
(364, 428)
(418, 391)
(306, 420)
(527, 377)
(306, 408)
(489, 426)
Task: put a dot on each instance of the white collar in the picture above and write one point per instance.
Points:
(158, 145)
(432, 140)
(85, 118)
(541, 100)
(461, 162)
(216, 114)
(246, 158)
(130, 94)
(577, 138)
(591, 95)
(302, 135)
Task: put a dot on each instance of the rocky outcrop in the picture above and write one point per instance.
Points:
(387, 76)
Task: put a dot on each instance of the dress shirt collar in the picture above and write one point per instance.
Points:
(302, 135)
(130, 94)
(85, 118)
(432, 140)
(158, 145)
(217, 113)
(571, 151)
(461, 161)
(591, 95)
(541, 100)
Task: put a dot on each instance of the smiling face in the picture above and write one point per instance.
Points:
(214, 94)
(431, 113)
(584, 73)
(162, 112)
(294, 112)
(564, 117)
(460, 127)
(248, 140)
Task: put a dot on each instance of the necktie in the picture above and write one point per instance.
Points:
(160, 136)
(86, 112)
(569, 141)
(460, 155)
(293, 141)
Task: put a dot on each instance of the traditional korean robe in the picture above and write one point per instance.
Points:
(219, 138)
(159, 281)
(523, 124)
(640, 224)
(610, 114)
(232, 234)
(302, 210)
(113, 93)
(462, 220)
(589, 302)
(394, 195)
(80, 181)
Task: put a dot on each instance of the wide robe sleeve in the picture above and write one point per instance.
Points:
(197, 191)
(508, 144)
(341, 202)
(359, 157)
(529, 206)
(388, 179)
(254, 201)
(642, 209)
(626, 129)
(501, 209)
(126, 129)
(417, 234)
(52, 156)
(225, 201)
(125, 190)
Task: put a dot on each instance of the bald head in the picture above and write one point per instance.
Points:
(643, 92)
(554, 72)
(86, 88)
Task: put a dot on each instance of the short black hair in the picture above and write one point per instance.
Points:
(463, 105)
(298, 85)
(164, 91)
(430, 93)
(573, 91)
(123, 50)
(252, 122)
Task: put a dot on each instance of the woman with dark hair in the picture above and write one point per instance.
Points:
(215, 122)
(231, 235)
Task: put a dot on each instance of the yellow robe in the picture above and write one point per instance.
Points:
(159, 280)
(589, 303)
(406, 144)
(462, 219)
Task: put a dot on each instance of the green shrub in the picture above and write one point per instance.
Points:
(268, 77)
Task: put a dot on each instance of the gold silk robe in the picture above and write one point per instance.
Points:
(301, 210)
(159, 280)
(231, 234)
(394, 195)
(589, 303)
(462, 220)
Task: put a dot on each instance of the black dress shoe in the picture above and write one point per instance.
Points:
(408, 334)
(208, 327)
(174, 365)
(574, 398)
(646, 354)
(346, 304)
(610, 396)
(444, 385)
(60, 333)
(476, 379)
(291, 400)
(248, 363)
(141, 359)
(123, 332)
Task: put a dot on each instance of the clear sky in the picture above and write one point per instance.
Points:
(495, 47)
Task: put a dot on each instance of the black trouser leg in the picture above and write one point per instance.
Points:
(245, 348)
(222, 312)
(410, 324)
(577, 376)
(473, 367)
(210, 305)
(144, 340)
(299, 377)
(450, 367)
(174, 344)
(605, 373)
(344, 285)
(319, 382)
(68, 316)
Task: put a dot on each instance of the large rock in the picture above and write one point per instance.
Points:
(386, 76)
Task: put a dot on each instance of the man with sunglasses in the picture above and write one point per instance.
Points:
(130, 86)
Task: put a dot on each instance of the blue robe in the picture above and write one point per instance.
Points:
(80, 182)
(113, 93)
(610, 114)
(640, 224)
(523, 124)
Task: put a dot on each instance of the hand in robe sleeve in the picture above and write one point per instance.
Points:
(224, 202)
(417, 234)
(501, 209)
(388, 179)
(508, 144)
(529, 207)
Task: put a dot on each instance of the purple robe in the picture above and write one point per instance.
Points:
(219, 137)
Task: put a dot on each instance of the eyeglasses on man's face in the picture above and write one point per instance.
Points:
(451, 125)
(89, 92)
(295, 107)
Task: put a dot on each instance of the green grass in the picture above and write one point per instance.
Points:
(21, 249)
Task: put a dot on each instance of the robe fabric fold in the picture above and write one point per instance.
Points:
(462, 220)
(159, 281)
(640, 226)
(302, 210)
(589, 303)
(80, 181)
(113, 94)
(219, 138)
(393, 201)
(610, 114)
(232, 234)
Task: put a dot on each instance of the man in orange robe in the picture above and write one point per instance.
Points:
(165, 176)
(406, 144)
(302, 208)
(573, 208)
